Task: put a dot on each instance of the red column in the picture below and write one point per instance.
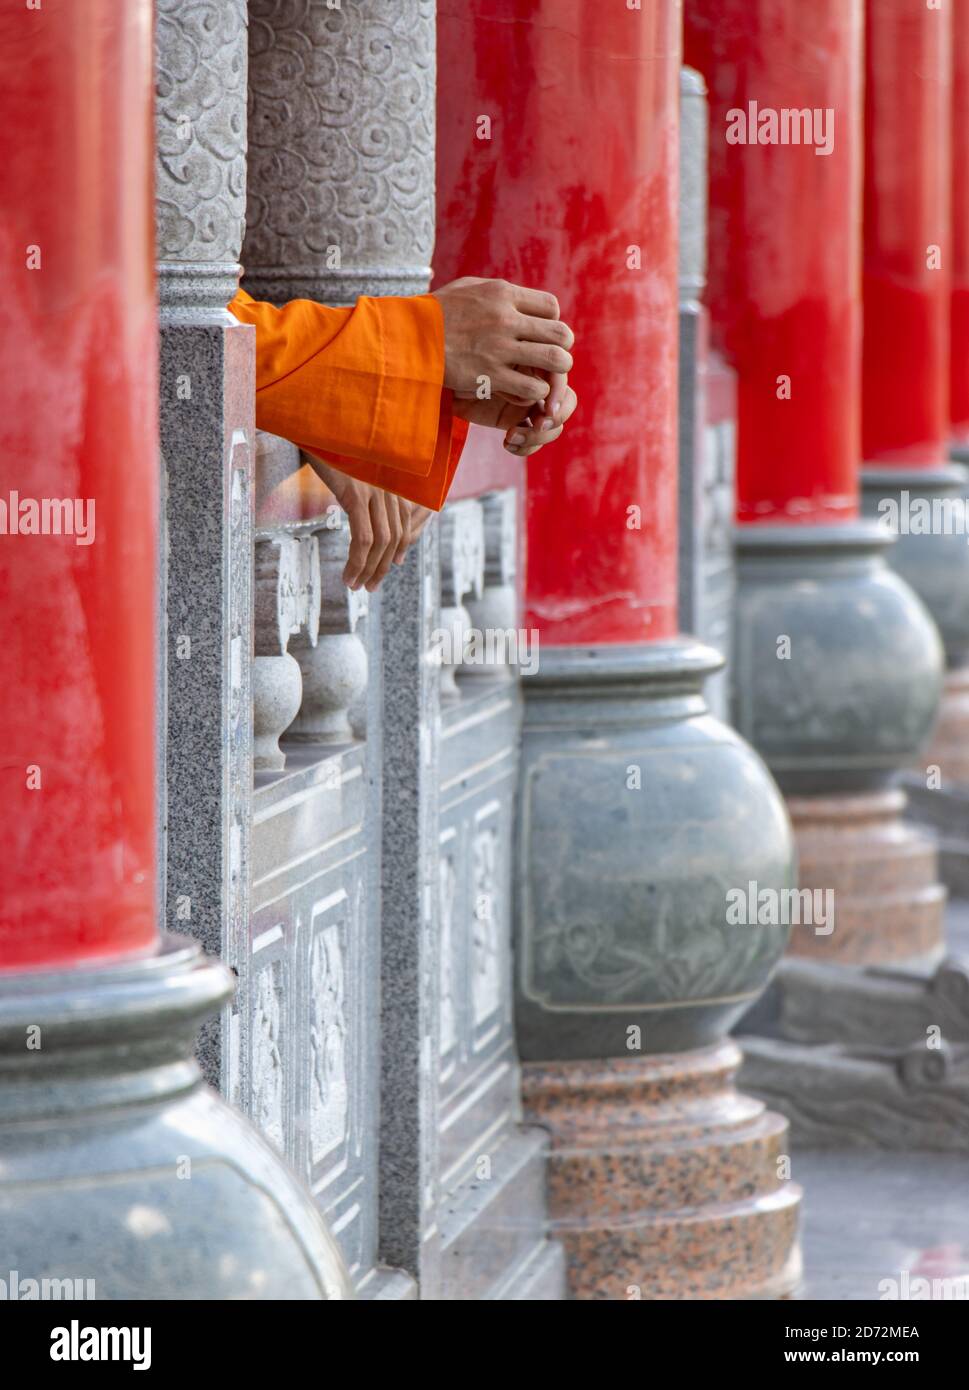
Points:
(909, 256)
(557, 167)
(959, 317)
(784, 242)
(77, 440)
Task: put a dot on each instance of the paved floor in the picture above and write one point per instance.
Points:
(871, 1217)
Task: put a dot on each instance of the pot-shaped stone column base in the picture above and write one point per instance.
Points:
(119, 1169)
(927, 510)
(643, 819)
(664, 1182)
(873, 880)
(838, 678)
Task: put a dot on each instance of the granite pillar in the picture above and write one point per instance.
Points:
(837, 664)
(637, 806)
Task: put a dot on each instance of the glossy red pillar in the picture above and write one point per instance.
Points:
(558, 153)
(822, 688)
(783, 245)
(959, 315)
(557, 167)
(77, 443)
(908, 252)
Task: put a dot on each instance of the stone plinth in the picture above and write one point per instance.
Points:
(664, 1182)
(883, 874)
(948, 749)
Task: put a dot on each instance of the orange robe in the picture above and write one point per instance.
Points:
(361, 388)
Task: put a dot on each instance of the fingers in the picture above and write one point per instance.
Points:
(532, 434)
(535, 330)
(361, 537)
(511, 383)
(387, 531)
(558, 395)
(537, 302)
(546, 356)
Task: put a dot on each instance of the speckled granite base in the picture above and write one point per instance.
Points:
(948, 749)
(888, 902)
(663, 1180)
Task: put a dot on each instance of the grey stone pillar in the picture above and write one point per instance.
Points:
(207, 431)
(706, 493)
(208, 437)
(340, 204)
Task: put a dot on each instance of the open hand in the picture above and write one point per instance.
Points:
(382, 526)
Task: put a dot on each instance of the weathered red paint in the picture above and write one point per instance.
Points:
(959, 317)
(77, 421)
(908, 118)
(580, 166)
(784, 245)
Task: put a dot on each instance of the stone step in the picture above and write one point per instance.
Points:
(539, 1278)
(489, 1227)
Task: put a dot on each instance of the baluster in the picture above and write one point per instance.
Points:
(462, 572)
(495, 614)
(334, 664)
(276, 679)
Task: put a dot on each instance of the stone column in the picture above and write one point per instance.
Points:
(207, 434)
(706, 447)
(638, 810)
(112, 1118)
(837, 664)
(949, 749)
(340, 204)
(909, 259)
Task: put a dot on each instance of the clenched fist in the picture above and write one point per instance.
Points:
(497, 331)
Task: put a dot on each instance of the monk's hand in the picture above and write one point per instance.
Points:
(381, 526)
(527, 427)
(502, 339)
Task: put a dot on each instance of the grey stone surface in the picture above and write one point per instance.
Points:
(838, 666)
(839, 1097)
(936, 564)
(206, 457)
(706, 448)
(344, 205)
(117, 1166)
(409, 1181)
(639, 813)
(885, 1226)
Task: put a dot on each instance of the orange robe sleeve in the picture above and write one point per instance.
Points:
(361, 388)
